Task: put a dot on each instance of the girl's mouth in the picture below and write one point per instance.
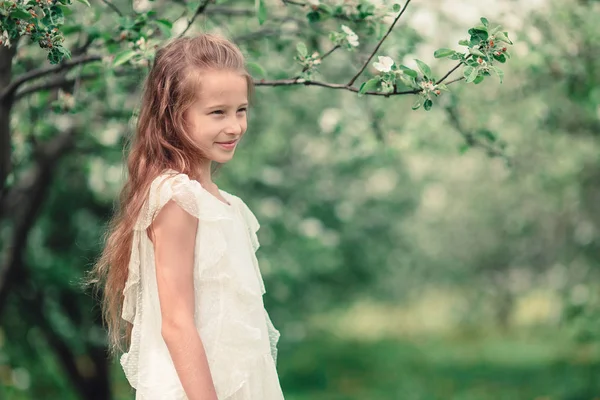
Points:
(227, 145)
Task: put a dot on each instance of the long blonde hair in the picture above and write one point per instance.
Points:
(161, 141)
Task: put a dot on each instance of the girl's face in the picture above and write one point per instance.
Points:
(218, 116)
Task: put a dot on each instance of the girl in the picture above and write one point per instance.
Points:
(178, 273)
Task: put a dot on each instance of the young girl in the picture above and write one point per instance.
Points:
(179, 273)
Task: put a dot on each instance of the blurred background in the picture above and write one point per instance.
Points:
(398, 262)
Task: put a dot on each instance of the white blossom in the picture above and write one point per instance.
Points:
(313, 2)
(141, 43)
(384, 65)
(351, 37)
(428, 86)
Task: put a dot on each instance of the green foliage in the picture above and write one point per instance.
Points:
(41, 20)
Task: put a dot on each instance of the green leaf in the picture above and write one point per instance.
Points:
(255, 69)
(478, 34)
(488, 135)
(165, 22)
(472, 75)
(478, 80)
(67, 11)
(417, 104)
(424, 68)
(409, 71)
(503, 37)
(463, 42)
(261, 11)
(498, 72)
(20, 14)
(482, 28)
(123, 57)
(86, 2)
(427, 105)
(396, 7)
(463, 148)
(313, 16)
(501, 58)
(467, 71)
(302, 50)
(326, 8)
(369, 86)
(443, 52)
(443, 87)
(484, 21)
(476, 52)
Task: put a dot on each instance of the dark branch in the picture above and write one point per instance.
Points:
(379, 44)
(40, 72)
(111, 5)
(32, 190)
(296, 81)
(201, 7)
(448, 74)
(54, 84)
(470, 138)
(334, 48)
(296, 3)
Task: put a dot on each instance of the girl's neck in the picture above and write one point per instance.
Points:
(204, 176)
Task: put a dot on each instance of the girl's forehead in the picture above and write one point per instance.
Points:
(222, 86)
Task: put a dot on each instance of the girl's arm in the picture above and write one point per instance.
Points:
(173, 233)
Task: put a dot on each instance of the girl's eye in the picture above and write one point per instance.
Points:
(243, 109)
(217, 112)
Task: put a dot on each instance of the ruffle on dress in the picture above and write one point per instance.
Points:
(227, 310)
(253, 227)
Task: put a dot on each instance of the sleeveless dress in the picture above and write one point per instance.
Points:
(239, 338)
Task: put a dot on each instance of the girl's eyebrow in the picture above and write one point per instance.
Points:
(225, 105)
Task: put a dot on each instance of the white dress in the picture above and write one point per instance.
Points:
(239, 338)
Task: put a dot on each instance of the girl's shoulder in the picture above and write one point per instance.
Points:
(186, 192)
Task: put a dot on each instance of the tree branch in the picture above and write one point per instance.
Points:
(38, 73)
(448, 74)
(6, 57)
(201, 7)
(54, 84)
(295, 81)
(379, 44)
(115, 9)
(470, 138)
(334, 48)
(32, 188)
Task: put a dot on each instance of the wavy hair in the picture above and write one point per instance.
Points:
(161, 141)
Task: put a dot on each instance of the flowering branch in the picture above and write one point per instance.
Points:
(351, 82)
(299, 81)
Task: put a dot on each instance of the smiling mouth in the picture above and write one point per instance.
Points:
(230, 142)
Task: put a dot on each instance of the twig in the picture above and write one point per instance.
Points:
(334, 48)
(379, 44)
(111, 5)
(199, 10)
(448, 74)
(452, 70)
(286, 2)
(470, 138)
